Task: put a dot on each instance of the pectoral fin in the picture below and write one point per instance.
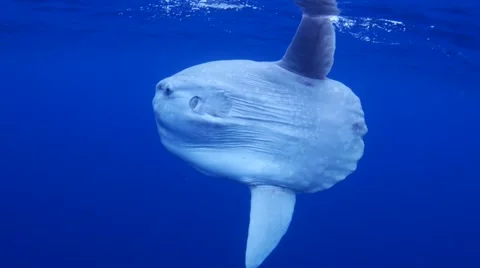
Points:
(270, 215)
(217, 104)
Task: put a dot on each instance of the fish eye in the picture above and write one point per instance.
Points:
(167, 91)
(194, 102)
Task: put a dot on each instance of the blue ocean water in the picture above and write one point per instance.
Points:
(85, 181)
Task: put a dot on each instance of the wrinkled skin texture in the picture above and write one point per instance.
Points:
(258, 123)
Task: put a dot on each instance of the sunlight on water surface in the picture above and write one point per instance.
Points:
(363, 28)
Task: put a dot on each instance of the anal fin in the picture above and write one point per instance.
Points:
(270, 215)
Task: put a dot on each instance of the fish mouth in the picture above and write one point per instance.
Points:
(360, 128)
(164, 132)
(169, 142)
(160, 111)
(161, 125)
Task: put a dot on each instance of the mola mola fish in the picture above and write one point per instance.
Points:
(282, 128)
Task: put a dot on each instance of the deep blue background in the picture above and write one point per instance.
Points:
(85, 182)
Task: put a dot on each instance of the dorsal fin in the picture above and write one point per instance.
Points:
(311, 51)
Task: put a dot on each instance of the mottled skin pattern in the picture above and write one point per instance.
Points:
(261, 124)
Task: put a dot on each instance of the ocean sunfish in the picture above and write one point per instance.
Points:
(281, 127)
